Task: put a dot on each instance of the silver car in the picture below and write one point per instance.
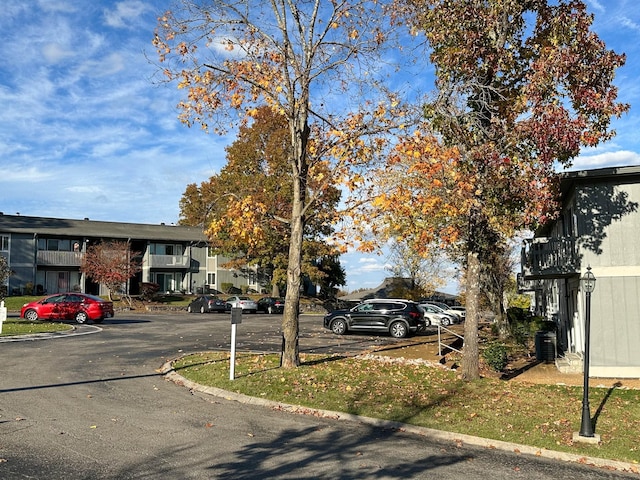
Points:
(436, 315)
(245, 303)
(447, 310)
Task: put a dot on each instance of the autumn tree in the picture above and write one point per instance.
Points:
(110, 263)
(427, 273)
(521, 87)
(257, 171)
(318, 64)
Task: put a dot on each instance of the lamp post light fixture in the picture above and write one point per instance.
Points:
(588, 282)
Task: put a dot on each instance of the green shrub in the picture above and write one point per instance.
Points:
(495, 355)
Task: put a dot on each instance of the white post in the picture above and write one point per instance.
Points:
(232, 368)
(3, 314)
(236, 318)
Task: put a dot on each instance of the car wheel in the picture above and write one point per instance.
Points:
(189, 309)
(269, 309)
(427, 322)
(398, 330)
(202, 310)
(339, 327)
(81, 317)
(31, 315)
(445, 322)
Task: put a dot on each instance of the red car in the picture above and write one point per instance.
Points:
(68, 306)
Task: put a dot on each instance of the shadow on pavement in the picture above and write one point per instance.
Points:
(83, 382)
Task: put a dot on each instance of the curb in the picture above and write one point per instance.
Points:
(428, 433)
(75, 331)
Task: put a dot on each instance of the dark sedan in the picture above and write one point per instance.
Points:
(271, 305)
(207, 304)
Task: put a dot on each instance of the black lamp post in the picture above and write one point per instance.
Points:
(588, 282)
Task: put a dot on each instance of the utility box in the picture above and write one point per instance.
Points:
(546, 346)
(236, 316)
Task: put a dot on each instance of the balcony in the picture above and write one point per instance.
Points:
(528, 285)
(59, 259)
(180, 262)
(549, 258)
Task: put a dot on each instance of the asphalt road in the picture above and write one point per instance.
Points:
(96, 407)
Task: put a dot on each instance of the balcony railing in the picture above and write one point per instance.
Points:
(169, 261)
(528, 285)
(62, 259)
(549, 258)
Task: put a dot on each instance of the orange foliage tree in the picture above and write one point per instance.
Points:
(521, 88)
(318, 64)
(244, 208)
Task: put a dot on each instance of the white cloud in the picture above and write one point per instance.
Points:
(629, 23)
(596, 5)
(618, 158)
(125, 13)
(56, 6)
(370, 266)
(55, 53)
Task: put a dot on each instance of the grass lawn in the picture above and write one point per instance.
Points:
(14, 326)
(14, 304)
(418, 394)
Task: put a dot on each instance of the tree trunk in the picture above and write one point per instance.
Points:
(290, 341)
(290, 328)
(470, 352)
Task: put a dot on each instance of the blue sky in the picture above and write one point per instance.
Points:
(86, 132)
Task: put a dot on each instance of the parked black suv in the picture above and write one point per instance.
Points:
(398, 317)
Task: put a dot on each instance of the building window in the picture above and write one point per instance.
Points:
(211, 278)
(57, 244)
(4, 243)
(165, 249)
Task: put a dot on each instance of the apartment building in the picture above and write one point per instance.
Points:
(599, 227)
(45, 255)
